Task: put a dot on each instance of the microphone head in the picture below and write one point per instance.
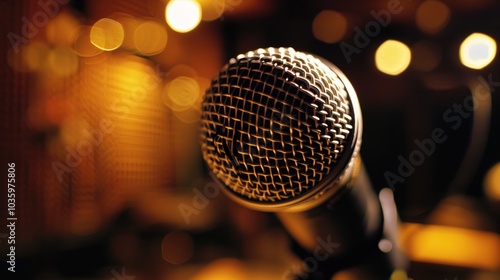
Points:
(280, 129)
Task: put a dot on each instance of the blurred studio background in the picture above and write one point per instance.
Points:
(100, 109)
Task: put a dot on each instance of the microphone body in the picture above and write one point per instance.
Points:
(343, 234)
(281, 132)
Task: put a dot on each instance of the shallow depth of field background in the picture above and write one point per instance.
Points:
(100, 109)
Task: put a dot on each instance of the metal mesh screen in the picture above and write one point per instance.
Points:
(274, 123)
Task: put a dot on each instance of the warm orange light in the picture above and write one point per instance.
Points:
(451, 246)
(181, 93)
(399, 274)
(82, 45)
(432, 16)
(183, 15)
(329, 26)
(107, 34)
(212, 9)
(492, 183)
(478, 50)
(63, 29)
(181, 70)
(34, 55)
(62, 61)
(150, 38)
(193, 113)
(392, 57)
(72, 131)
(222, 269)
(129, 24)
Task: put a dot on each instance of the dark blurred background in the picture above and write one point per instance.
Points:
(100, 109)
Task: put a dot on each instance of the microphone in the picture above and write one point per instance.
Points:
(281, 132)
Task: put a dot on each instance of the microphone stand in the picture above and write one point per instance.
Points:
(348, 234)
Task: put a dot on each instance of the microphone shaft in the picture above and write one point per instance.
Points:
(343, 233)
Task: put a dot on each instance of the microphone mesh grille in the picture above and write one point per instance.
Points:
(274, 123)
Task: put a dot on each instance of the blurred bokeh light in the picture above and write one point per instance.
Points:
(478, 50)
(432, 16)
(181, 93)
(63, 29)
(426, 55)
(62, 61)
(101, 105)
(83, 45)
(177, 247)
(392, 57)
(107, 34)
(183, 15)
(212, 9)
(223, 269)
(492, 183)
(451, 245)
(150, 38)
(329, 26)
